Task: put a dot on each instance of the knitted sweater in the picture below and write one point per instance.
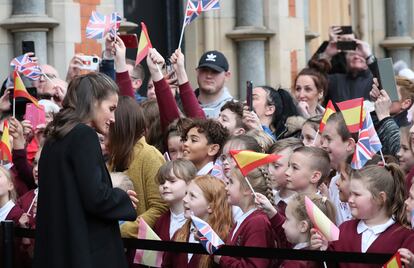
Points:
(145, 164)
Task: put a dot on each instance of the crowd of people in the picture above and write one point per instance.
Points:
(109, 157)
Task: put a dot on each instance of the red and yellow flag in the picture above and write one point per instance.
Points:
(352, 112)
(5, 146)
(394, 262)
(144, 44)
(249, 160)
(20, 90)
(329, 110)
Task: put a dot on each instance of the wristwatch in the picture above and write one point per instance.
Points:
(370, 59)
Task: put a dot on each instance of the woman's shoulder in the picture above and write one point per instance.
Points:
(146, 150)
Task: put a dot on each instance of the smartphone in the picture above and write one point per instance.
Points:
(346, 45)
(90, 63)
(28, 46)
(386, 78)
(249, 94)
(346, 30)
(35, 115)
(130, 40)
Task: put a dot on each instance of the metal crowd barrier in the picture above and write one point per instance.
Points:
(8, 233)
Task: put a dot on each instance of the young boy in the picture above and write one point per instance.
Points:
(231, 117)
(340, 145)
(308, 167)
(203, 140)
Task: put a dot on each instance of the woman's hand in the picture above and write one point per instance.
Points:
(75, 66)
(5, 104)
(251, 120)
(375, 90)
(133, 197)
(383, 105)
(303, 108)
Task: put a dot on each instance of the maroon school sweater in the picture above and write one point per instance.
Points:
(162, 226)
(255, 231)
(24, 203)
(395, 237)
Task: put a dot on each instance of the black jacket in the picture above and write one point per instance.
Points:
(78, 210)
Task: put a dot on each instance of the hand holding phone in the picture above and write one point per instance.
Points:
(346, 45)
(35, 115)
(89, 62)
(249, 94)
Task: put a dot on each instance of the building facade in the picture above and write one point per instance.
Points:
(267, 41)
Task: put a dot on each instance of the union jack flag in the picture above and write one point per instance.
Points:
(99, 25)
(368, 144)
(208, 238)
(24, 64)
(195, 7)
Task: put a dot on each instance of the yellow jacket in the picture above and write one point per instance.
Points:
(145, 164)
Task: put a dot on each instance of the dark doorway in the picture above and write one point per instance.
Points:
(163, 19)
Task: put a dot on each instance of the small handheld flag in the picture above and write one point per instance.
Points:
(144, 44)
(147, 257)
(20, 90)
(249, 160)
(99, 25)
(24, 64)
(209, 239)
(321, 221)
(352, 112)
(329, 110)
(5, 146)
(394, 262)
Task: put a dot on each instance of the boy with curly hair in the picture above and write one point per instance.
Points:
(203, 140)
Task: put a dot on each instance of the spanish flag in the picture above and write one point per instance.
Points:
(144, 44)
(329, 110)
(5, 146)
(147, 257)
(394, 262)
(249, 160)
(20, 90)
(352, 112)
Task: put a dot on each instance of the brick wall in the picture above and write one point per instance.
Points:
(87, 46)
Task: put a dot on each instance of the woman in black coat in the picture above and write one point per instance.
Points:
(78, 210)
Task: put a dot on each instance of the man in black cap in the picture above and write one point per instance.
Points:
(212, 73)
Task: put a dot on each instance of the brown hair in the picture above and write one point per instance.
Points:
(214, 132)
(220, 220)
(318, 160)
(317, 70)
(237, 108)
(259, 179)
(137, 70)
(154, 134)
(262, 138)
(78, 106)
(314, 122)
(406, 88)
(390, 180)
(281, 145)
(299, 208)
(181, 168)
(129, 127)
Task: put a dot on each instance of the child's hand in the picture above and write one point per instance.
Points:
(133, 197)
(120, 51)
(324, 189)
(318, 241)
(24, 220)
(155, 61)
(264, 204)
(407, 257)
(217, 258)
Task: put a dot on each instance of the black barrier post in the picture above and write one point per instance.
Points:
(7, 243)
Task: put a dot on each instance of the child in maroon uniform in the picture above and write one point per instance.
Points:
(206, 199)
(253, 228)
(377, 204)
(8, 209)
(173, 178)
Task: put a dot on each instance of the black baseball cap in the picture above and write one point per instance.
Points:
(214, 60)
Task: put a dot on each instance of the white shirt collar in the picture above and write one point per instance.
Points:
(206, 169)
(377, 229)
(301, 245)
(4, 210)
(278, 198)
(241, 219)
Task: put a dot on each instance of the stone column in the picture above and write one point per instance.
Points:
(398, 41)
(29, 22)
(250, 35)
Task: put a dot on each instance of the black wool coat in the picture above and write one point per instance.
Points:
(78, 210)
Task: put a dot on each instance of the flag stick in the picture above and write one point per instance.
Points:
(159, 70)
(14, 106)
(250, 186)
(50, 80)
(314, 138)
(181, 36)
(382, 157)
(34, 199)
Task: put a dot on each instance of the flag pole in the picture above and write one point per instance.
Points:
(31, 205)
(250, 186)
(14, 106)
(182, 29)
(47, 77)
(382, 157)
(314, 138)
